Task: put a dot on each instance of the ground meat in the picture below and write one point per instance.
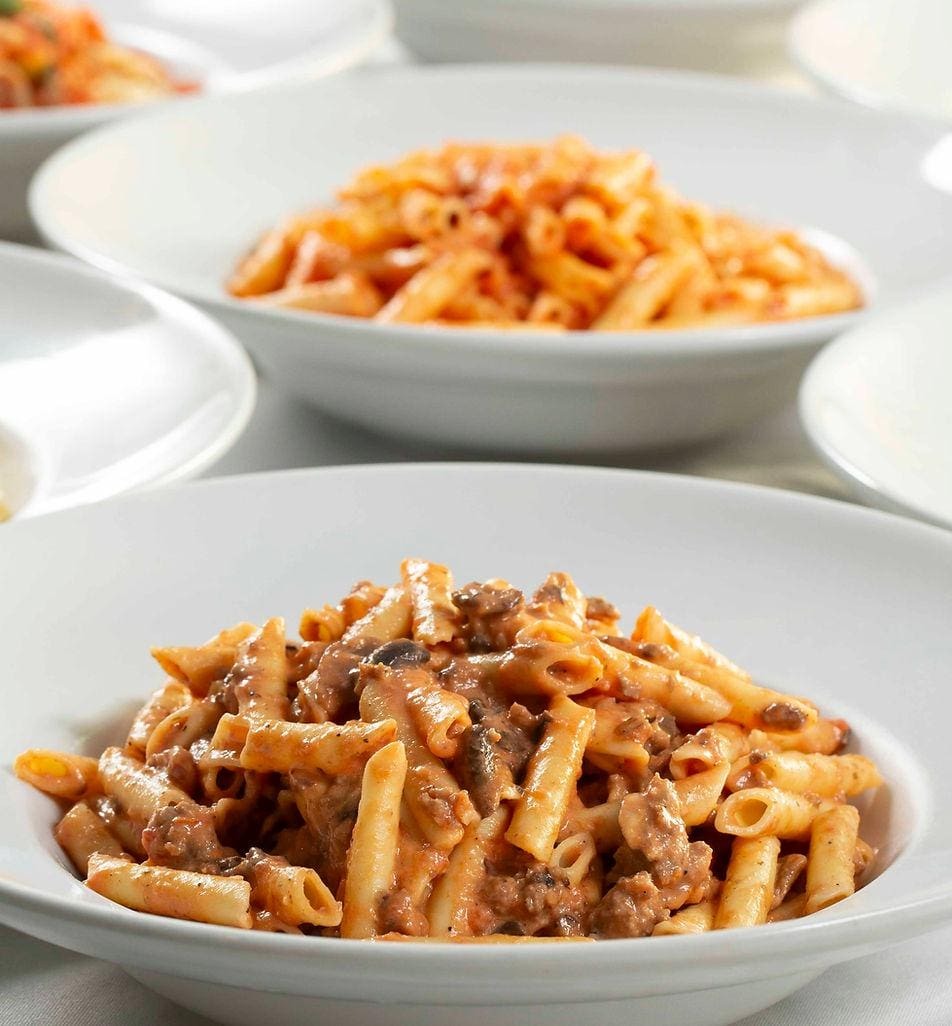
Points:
(182, 836)
(398, 915)
(222, 693)
(328, 693)
(558, 598)
(632, 908)
(651, 823)
(551, 591)
(328, 807)
(249, 865)
(783, 716)
(491, 616)
(656, 840)
(789, 868)
(441, 803)
(691, 882)
(478, 768)
(303, 659)
(481, 600)
(179, 766)
(529, 899)
(598, 608)
(493, 752)
(651, 725)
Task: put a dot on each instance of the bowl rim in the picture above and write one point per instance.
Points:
(176, 315)
(32, 122)
(869, 486)
(908, 898)
(888, 101)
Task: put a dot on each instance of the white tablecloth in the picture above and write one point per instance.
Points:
(910, 985)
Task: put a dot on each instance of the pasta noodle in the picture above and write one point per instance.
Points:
(468, 764)
(52, 53)
(558, 235)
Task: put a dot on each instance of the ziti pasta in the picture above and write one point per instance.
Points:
(52, 53)
(556, 236)
(465, 764)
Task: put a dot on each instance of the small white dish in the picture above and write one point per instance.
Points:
(174, 565)
(709, 35)
(852, 176)
(105, 386)
(883, 53)
(876, 406)
(225, 46)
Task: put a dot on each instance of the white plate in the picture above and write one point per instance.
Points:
(876, 404)
(130, 198)
(710, 35)
(885, 53)
(107, 387)
(228, 45)
(810, 595)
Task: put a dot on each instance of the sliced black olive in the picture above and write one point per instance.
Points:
(399, 653)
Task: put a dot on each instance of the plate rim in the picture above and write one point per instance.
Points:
(836, 86)
(864, 484)
(175, 314)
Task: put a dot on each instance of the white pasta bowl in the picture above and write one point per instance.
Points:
(813, 597)
(131, 198)
(225, 47)
(875, 406)
(107, 386)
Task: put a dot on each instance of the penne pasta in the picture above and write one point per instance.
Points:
(371, 860)
(276, 746)
(697, 918)
(468, 764)
(430, 590)
(823, 775)
(558, 235)
(81, 834)
(449, 906)
(763, 811)
(60, 774)
(830, 866)
(550, 778)
(172, 892)
(166, 700)
(259, 674)
(749, 885)
(700, 792)
(386, 620)
(201, 666)
(440, 807)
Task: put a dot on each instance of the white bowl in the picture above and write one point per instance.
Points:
(227, 45)
(875, 404)
(131, 198)
(882, 53)
(711, 35)
(810, 595)
(107, 386)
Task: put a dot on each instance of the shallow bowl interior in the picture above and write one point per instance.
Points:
(106, 386)
(129, 198)
(814, 597)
